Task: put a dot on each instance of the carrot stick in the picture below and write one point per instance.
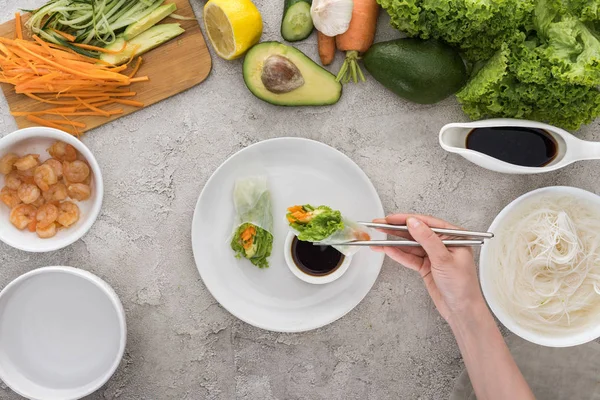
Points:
(92, 94)
(140, 79)
(357, 39)
(128, 102)
(66, 122)
(48, 111)
(49, 124)
(93, 113)
(136, 68)
(326, 48)
(93, 108)
(67, 36)
(64, 103)
(19, 26)
(100, 49)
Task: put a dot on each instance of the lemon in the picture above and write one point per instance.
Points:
(233, 26)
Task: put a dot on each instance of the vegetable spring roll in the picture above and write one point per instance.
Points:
(325, 225)
(252, 237)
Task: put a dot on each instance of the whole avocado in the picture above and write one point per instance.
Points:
(422, 71)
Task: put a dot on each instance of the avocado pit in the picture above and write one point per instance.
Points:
(280, 75)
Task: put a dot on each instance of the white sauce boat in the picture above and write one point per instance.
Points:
(569, 148)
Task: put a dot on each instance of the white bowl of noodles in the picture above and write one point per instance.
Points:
(540, 274)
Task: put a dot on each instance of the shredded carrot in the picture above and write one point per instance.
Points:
(66, 122)
(140, 79)
(128, 102)
(247, 236)
(138, 64)
(92, 113)
(72, 84)
(95, 94)
(66, 35)
(45, 122)
(100, 49)
(93, 108)
(48, 111)
(19, 26)
(63, 103)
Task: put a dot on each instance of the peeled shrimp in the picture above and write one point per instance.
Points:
(56, 193)
(62, 151)
(56, 166)
(12, 180)
(76, 171)
(46, 232)
(27, 162)
(22, 215)
(28, 193)
(79, 191)
(26, 176)
(44, 176)
(7, 162)
(39, 202)
(68, 213)
(9, 197)
(46, 215)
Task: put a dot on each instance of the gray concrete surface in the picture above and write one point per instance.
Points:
(181, 343)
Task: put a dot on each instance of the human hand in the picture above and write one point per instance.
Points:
(448, 273)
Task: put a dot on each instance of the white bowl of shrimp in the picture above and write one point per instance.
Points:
(51, 189)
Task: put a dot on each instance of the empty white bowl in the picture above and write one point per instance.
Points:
(36, 140)
(316, 280)
(62, 333)
(486, 276)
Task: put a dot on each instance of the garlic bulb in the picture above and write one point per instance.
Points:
(331, 17)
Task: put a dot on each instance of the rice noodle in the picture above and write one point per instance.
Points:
(546, 264)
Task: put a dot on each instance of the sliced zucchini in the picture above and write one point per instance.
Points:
(149, 21)
(142, 43)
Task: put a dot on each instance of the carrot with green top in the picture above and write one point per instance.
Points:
(357, 39)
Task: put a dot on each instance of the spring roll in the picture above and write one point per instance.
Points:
(325, 225)
(253, 227)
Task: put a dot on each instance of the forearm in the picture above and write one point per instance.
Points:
(492, 370)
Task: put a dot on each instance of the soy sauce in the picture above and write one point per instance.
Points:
(315, 260)
(527, 147)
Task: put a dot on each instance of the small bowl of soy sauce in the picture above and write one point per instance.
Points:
(314, 263)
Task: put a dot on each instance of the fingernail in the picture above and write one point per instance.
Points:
(413, 222)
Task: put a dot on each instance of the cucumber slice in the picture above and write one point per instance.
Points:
(296, 23)
(142, 43)
(149, 21)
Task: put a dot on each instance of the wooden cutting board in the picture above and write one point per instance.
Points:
(172, 68)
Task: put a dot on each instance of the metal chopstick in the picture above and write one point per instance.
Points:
(404, 243)
(450, 232)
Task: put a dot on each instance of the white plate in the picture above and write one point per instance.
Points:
(300, 171)
(62, 333)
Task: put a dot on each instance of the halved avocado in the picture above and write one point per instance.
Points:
(283, 75)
